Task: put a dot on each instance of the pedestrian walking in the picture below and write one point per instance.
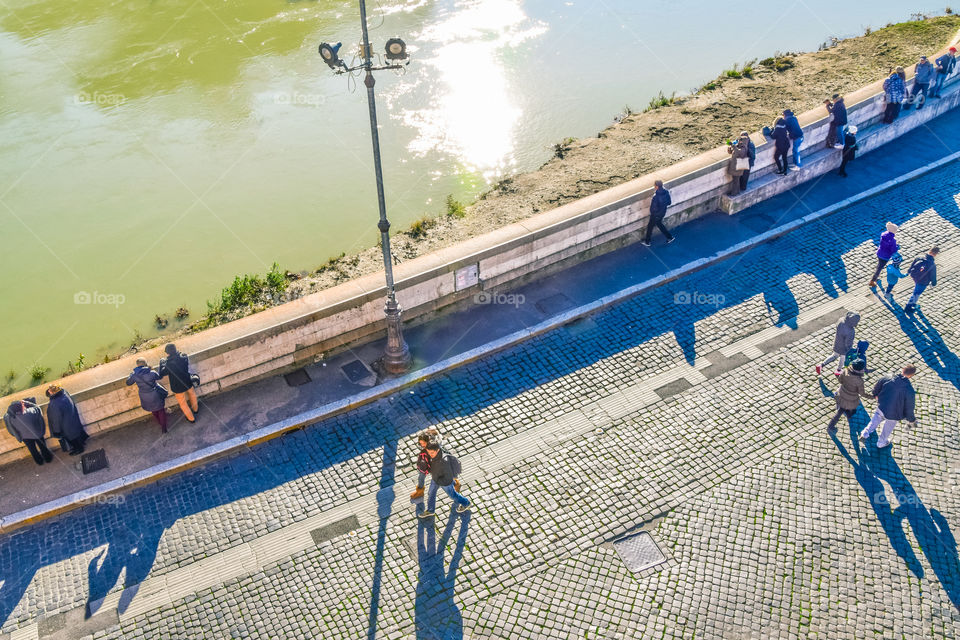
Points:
(796, 135)
(945, 65)
(893, 274)
(923, 270)
(923, 74)
(152, 393)
(658, 209)
(743, 153)
(176, 366)
(838, 123)
(444, 468)
(842, 341)
(424, 438)
(849, 393)
(895, 402)
(849, 149)
(894, 89)
(888, 247)
(64, 420)
(781, 145)
(24, 421)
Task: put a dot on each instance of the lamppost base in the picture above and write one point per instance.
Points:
(396, 356)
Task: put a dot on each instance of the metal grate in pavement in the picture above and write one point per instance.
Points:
(639, 552)
(359, 373)
(335, 529)
(297, 378)
(94, 461)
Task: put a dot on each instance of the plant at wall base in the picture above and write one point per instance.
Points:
(161, 321)
(455, 208)
(660, 100)
(733, 73)
(137, 338)
(81, 362)
(38, 373)
(182, 313)
(420, 227)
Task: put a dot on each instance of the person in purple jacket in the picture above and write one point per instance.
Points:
(888, 247)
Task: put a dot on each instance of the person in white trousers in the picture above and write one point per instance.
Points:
(895, 402)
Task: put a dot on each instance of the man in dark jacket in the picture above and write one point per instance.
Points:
(849, 151)
(65, 420)
(923, 75)
(443, 469)
(658, 209)
(781, 144)
(923, 270)
(25, 422)
(796, 134)
(177, 367)
(945, 65)
(838, 124)
(895, 402)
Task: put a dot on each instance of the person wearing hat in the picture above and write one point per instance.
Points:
(796, 135)
(24, 421)
(848, 395)
(64, 420)
(888, 247)
(849, 149)
(177, 367)
(894, 89)
(945, 65)
(838, 123)
(923, 75)
(152, 393)
(743, 153)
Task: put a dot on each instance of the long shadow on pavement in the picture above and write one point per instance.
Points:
(436, 615)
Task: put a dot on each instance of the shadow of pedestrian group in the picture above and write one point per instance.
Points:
(436, 615)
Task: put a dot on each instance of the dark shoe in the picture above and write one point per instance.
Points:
(75, 452)
(862, 439)
(163, 429)
(463, 508)
(909, 309)
(192, 421)
(831, 430)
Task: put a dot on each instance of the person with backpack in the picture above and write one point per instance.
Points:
(444, 468)
(848, 395)
(24, 421)
(176, 366)
(781, 145)
(888, 247)
(796, 134)
(858, 353)
(64, 419)
(923, 270)
(896, 400)
(658, 209)
(893, 274)
(945, 65)
(842, 341)
(152, 393)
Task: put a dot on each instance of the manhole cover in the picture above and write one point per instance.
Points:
(297, 378)
(356, 371)
(93, 461)
(639, 552)
(552, 305)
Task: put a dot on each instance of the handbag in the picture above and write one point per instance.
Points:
(743, 164)
(161, 390)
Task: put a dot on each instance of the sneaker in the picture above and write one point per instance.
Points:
(463, 508)
(425, 515)
(838, 146)
(862, 438)
(672, 238)
(888, 444)
(819, 368)
(645, 243)
(836, 373)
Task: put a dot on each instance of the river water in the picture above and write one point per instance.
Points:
(150, 151)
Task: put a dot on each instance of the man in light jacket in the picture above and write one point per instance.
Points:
(895, 402)
(923, 270)
(945, 65)
(25, 422)
(924, 74)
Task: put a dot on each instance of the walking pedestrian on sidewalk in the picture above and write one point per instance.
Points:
(424, 438)
(888, 247)
(849, 394)
(176, 366)
(152, 393)
(945, 65)
(842, 341)
(24, 421)
(850, 147)
(796, 135)
(894, 89)
(838, 124)
(923, 270)
(444, 468)
(893, 274)
(64, 420)
(895, 402)
(923, 75)
(658, 209)
(743, 153)
(781, 145)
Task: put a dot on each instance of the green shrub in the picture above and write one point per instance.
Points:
(420, 227)
(660, 100)
(38, 373)
(455, 208)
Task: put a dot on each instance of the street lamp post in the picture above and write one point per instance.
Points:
(396, 355)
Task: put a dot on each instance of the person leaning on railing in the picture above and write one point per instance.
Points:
(743, 153)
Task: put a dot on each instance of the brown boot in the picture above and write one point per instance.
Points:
(417, 493)
(456, 485)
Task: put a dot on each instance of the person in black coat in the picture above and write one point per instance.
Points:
(25, 422)
(177, 367)
(781, 145)
(65, 420)
(658, 209)
(849, 149)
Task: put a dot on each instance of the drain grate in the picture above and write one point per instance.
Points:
(297, 378)
(639, 552)
(94, 461)
(357, 372)
(335, 529)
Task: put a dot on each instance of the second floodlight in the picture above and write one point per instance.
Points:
(396, 49)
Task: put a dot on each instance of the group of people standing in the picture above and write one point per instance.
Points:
(928, 82)
(153, 395)
(24, 421)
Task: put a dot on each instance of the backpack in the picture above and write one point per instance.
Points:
(918, 269)
(859, 352)
(423, 462)
(455, 466)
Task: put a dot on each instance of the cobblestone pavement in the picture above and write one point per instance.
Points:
(690, 417)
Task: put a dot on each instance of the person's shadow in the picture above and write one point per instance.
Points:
(929, 343)
(436, 615)
(133, 549)
(930, 528)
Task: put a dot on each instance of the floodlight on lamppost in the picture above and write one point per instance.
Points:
(396, 355)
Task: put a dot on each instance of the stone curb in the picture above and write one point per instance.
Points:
(207, 454)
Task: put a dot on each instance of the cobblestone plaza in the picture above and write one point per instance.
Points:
(689, 416)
